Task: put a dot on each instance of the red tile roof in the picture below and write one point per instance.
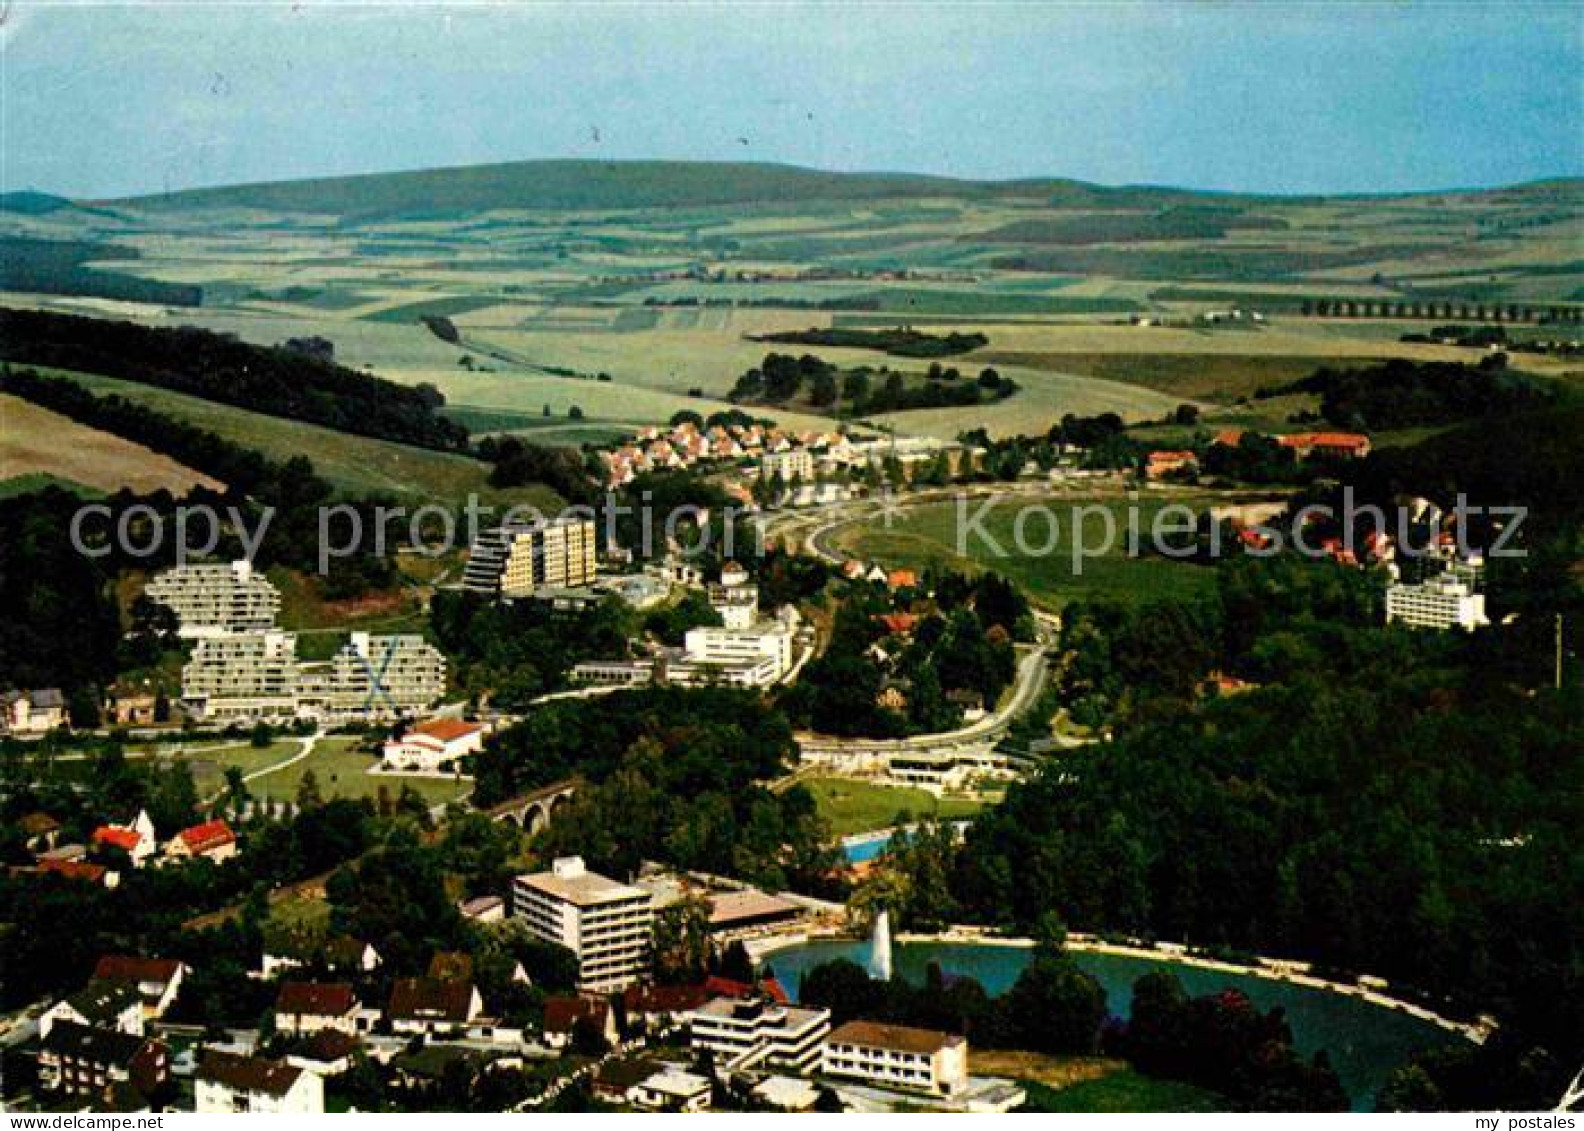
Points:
(430, 999)
(664, 999)
(117, 837)
(74, 870)
(902, 579)
(562, 1013)
(207, 837)
(129, 968)
(447, 730)
(315, 999)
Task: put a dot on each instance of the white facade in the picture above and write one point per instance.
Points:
(897, 1056)
(765, 648)
(608, 925)
(789, 465)
(1444, 601)
(671, 1089)
(433, 745)
(737, 605)
(216, 599)
(227, 1084)
(257, 676)
(748, 1033)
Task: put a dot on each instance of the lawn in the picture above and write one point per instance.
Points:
(354, 464)
(858, 806)
(38, 445)
(927, 536)
(209, 764)
(1122, 1091)
(341, 765)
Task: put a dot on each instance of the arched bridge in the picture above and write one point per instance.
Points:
(532, 811)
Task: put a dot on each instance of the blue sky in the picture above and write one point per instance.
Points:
(106, 100)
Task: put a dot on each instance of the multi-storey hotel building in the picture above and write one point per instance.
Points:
(607, 924)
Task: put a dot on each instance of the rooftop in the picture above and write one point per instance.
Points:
(570, 881)
(898, 1038)
(248, 1073)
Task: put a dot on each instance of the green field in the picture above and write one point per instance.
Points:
(927, 536)
(858, 806)
(354, 464)
(1121, 1091)
(341, 768)
(659, 274)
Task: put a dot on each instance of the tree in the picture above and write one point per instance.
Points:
(308, 795)
(1057, 1008)
(681, 940)
(261, 736)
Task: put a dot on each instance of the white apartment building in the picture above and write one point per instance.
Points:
(745, 1033)
(214, 599)
(257, 676)
(1443, 601)
(764, 647)
(607, 924)
(227, 1083)
(898, 1056)
(516, 559)
(792, 465)
(374, 677)
(249, 676)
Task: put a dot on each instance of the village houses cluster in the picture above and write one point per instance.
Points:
(108, 1044)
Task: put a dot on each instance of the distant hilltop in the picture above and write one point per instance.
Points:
(576, 185)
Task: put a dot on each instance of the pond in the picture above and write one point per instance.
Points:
(1364, 1041)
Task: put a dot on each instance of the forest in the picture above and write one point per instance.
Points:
(278, 381)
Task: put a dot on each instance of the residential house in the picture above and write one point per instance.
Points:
(432, 1005)
(305, 1008)
(565, 1014)
(98, 1005)
(135, 840)
(40, 832)
(898, 1056)
(671, 1089)
(483, 909)
(84, 1060)
(158, 981)
(1161, 464)
(228, 1083)
(329, 1052)
(130, 709)
(32, 712)
(212, 840)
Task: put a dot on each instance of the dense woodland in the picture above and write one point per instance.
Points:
(61, 267)
(1405, 394)
(899, 341)
(782, 378)
(278, 381)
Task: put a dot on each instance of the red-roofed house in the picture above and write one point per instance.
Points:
(305, 1008)
(434, 744)
(135, 840)
(1228, 437)
(212, 839)
(158, 980)
(563, 1015)
(76, 870)
(730, 987)
(902, 579)
(897, 624)
(1162, 464)
(1340, 445)
(664, 1003)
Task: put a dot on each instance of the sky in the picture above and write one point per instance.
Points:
(106, 100)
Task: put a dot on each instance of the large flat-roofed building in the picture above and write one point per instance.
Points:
(257, 676)
(214, 599)
(753, 1032)
(898, 1056)
(250, 676)
(765, 647)
(516, 559)
(1444, 601)
(607, 924)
